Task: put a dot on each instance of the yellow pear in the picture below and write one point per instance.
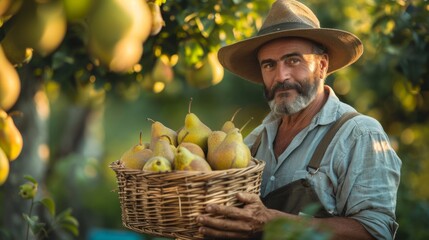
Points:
(4, 167)
(40, 25)
(157, 21)
(231, 153)
(194, 130)
(157, 164)
(164, 149)
(187, 161)
(10, 138)
(137, 155)
(208, 74)
(162, 71)
(213, 141)
(229, 125)
(117, 31)
(159, 130)
(193, 148)
(10, 84)
(9, 8)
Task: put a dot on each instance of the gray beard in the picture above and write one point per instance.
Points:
(301, 102)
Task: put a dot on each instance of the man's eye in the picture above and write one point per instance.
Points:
(267, 65)
(293, 61)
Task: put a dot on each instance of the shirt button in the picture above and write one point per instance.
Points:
(272, 178)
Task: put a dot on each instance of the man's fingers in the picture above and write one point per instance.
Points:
(248, 198)
(224, 224)
(229, 211)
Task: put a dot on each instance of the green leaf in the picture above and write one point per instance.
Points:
(30, 178)
(49, 204)
(68, 219)
(34, 223)
(71, 228)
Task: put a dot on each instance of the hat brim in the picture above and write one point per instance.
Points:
(240, 58)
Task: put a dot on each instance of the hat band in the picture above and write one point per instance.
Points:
(284, 26)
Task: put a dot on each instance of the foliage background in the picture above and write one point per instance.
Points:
(78, 140)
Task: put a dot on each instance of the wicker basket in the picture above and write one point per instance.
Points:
(166, 204)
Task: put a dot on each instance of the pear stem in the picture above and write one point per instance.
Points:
(189, 106)
(168, 137)
(151, 120)
(184, 136)
(140, 139)
(233, 116)
(16, 113)
(248, 121)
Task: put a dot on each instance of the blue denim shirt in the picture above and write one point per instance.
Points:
(359, 173)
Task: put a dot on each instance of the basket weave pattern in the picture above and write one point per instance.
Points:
(166, 204)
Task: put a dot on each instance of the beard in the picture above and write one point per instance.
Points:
(306, 94)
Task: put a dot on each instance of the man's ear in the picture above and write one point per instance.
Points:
(324, 64)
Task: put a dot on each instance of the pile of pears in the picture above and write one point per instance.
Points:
(194, 147)
(10, 144)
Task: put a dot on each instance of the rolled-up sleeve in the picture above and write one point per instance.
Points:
(369, 180)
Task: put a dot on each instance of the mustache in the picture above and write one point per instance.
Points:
(286, 85)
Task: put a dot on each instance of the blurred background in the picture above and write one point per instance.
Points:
(79, 78)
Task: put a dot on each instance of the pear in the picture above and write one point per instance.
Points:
(158, 129)
(187, 161)
(4, 167)
(231, 153)
(213, 141)
(10, 138)
(137, 155)
(209, 73)
(10, 84)
(116, 32)
(193, 148)
(157, 164)
(164, 149)
(157, 21)
(40, 25)
(194, 130)
(228, 125)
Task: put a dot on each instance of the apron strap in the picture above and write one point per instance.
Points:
(323, 145)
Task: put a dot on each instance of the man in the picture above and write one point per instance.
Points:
(357, 176)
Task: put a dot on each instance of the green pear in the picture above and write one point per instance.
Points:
(10, 138)
(228, 125)
(187, 161)
(213, 141)
(231, 153)
(158, 129)
(137, 155)
(194, 130)
(164, 149)
(193, 148)
(157, 164)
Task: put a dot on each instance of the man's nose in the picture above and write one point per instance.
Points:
(282, 73)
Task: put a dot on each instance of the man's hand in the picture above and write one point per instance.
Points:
(242, 223)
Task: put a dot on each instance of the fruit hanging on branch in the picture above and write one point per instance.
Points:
(208, 72)
(157, 20)
(10, 138)
(10, 85)
(4, 167)
(116, 32)
(40, 25)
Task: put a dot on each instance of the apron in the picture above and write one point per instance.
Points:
(297, 196)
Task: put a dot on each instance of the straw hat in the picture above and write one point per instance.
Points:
(288, 18)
